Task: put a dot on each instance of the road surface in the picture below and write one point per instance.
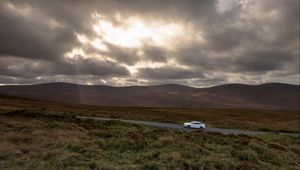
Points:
(181, 128)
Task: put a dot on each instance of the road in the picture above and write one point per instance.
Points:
(181, 128)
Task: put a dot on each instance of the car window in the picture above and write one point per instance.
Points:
(197, 123)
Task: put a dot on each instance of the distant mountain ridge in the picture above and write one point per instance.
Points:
(275, 96)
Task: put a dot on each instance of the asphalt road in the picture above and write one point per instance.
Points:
(181, 128)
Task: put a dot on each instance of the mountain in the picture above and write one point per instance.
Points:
(275, 96)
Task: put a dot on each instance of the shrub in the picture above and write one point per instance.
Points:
(277, 146)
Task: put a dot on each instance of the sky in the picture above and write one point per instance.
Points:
(148, 42)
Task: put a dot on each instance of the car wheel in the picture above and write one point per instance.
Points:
(189, 126)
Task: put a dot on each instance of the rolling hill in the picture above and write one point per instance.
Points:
(272, 96)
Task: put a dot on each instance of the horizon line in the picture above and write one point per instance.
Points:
(208, 86)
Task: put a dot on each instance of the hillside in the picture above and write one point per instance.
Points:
(274, 96)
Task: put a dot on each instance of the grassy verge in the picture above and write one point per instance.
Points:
(53, 140)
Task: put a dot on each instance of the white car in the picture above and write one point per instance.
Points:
(194, 124)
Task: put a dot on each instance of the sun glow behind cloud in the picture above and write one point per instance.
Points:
(134, 32)
(74, 54)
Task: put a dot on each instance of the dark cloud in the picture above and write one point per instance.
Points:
(82, 66)
(249, 41)
(122, 54)
(155, 54)
(256, 60)
(226, 39)
(263, 60)
(169, 73)
(276, 22)
(32, 36)
(16, 67)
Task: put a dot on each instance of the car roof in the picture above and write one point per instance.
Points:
(195, 122)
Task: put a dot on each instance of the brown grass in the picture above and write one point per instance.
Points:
(48, 140)
(266, 120)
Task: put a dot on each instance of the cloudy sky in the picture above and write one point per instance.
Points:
(146, 42)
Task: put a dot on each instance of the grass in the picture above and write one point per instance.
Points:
(264, 120)
(45, 139)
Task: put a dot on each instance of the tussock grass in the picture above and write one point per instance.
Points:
(32, 139)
